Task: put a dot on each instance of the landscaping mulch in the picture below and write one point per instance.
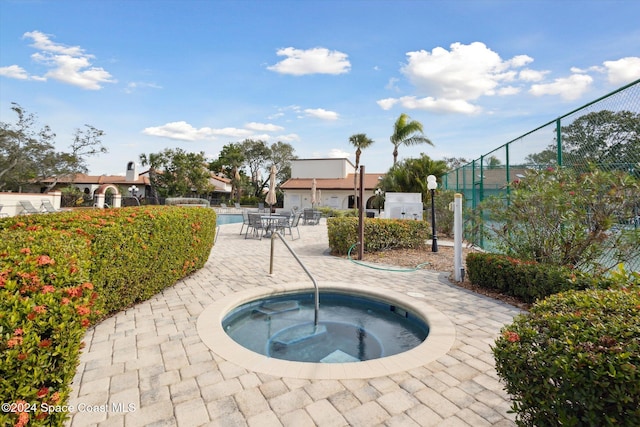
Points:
(441, 261)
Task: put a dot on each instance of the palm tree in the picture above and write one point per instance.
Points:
(407, 132)
(360, 141)
(410, 175)
(152, 160)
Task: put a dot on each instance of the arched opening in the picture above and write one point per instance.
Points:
(107, 195)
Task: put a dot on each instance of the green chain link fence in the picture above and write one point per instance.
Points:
(604, 132)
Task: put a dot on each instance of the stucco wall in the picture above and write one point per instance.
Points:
(11, 201)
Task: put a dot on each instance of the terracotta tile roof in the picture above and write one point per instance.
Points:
(370, 182)
(82, 178)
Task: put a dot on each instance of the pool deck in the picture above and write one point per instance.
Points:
(148, 366)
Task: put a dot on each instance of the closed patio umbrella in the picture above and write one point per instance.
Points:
(271, 195)
(313, 192)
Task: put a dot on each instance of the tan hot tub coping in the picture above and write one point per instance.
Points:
(439, 341)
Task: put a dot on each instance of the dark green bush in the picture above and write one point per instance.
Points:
(574, 360)
(526, 280)
(379, 234)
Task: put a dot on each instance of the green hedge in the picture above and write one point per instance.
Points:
(61, 272)
(379, 234)
(574, 360)
(526, 280)
(46, 302)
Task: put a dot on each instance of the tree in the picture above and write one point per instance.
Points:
(565, 217)
(492, 162)
(153, 160)
(256, 155)
(28, 156)
(455, 162)
(229, 163)
(86, 143)
(410, 175)
(360, 141)
(610, 140)
(177, 172)
(260, 157)
(281, 155)
(407, 132)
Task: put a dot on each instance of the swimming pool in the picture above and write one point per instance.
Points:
(229, 219)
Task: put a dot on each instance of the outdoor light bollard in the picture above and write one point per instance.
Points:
(458, 269)
(432, 185)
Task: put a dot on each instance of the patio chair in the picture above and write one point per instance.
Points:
(255, 225)
(237, 206)
(260, 207)
(28, 208)
(295, 222)
(48, 207)
(245, 220)
(311, 217)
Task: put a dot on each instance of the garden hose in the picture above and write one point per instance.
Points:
(398, 270)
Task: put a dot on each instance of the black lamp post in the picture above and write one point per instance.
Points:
(379, 194)
(432, 184)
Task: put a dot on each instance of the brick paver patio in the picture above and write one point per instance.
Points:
(147, 366)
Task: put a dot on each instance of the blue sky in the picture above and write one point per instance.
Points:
(201, 74)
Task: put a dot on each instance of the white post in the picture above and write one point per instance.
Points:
(457, 237)
(99, 200)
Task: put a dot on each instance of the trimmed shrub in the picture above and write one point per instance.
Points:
(136, 251)
(574, 360)
(146, 250)
(379, 234)
(526, 280)
(46, 302)
(61, 272)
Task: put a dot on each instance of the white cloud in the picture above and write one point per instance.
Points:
(311, 61)
(76, 71)
(175, 130)
(42, 42)
(67, 64)
(465, 72)
(392, 84)
(228, 131)
(291, 137)
(387, 103)
(528, 75)
(452, 79)
(337, 153)
(264, 127)
(133, 86)
(509, 90)
(14, 72)
(569, 88)
(320, 113)
(439, 105)
(183, 131)
(624, 70)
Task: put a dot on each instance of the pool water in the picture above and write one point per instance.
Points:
(223, 219)
(350, 329)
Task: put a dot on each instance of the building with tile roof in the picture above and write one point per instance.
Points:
(334, 184)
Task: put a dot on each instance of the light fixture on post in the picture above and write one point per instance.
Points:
(432, 184)
(133, 190)
(379, 194)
